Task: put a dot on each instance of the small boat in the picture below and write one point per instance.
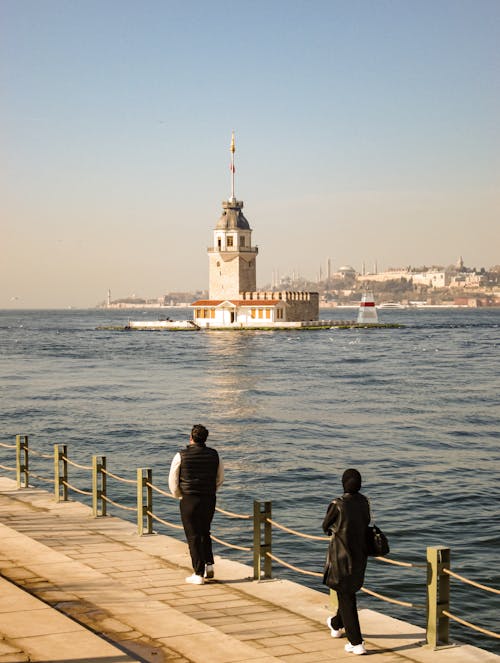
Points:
(391, 305)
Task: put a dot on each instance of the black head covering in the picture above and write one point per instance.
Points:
(351, 481)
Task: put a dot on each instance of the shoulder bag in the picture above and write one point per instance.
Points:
(377, 544)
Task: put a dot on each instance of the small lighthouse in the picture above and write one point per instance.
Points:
(367, 311)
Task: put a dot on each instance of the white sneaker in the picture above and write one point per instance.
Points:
(209, 571)
(195, 580)
(356, 649)
(334, 632)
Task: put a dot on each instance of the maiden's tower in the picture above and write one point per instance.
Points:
(233, 297)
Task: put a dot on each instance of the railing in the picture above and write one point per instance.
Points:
(437, 559)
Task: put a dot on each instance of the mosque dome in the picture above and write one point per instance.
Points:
(232, 217)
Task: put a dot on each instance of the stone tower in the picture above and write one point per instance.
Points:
(232, 257)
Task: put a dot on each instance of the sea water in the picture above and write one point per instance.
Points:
(415, 409)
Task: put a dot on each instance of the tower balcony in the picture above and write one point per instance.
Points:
(234, 249)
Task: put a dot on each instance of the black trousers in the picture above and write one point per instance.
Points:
(347, 617)
(197, 512)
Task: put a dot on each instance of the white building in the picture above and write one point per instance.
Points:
(431, 278)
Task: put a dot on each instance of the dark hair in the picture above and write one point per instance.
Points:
(351, 481)
(199, 434)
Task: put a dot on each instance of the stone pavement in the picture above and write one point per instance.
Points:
(96, 591)
(33, 631)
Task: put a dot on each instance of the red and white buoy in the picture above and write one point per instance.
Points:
(367, 311)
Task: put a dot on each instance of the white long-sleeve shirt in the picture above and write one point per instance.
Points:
(175, 469)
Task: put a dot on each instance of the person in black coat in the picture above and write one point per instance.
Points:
(347, 519)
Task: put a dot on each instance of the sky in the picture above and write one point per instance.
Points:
(367, 131)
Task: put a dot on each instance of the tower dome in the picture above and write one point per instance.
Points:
(232, 217)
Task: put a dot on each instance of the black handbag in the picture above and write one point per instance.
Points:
(377, 544)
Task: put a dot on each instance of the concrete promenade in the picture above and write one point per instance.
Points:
(75, 588)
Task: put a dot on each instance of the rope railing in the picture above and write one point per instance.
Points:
(383, 597)
(293, 568)
(230, 514)
(117, 504)
(162, 521)
(230, 545)
(242, 516)
(315, 574)
(472, 626)
(471, 582)
(447, 572)
(437, 563)
(300, 534)
(312, 537)
(40, 478)
(158, 490)
(408, 565)
(117, 477)
(151, 486)
(77, 490)
(73, 464)
(40, 454)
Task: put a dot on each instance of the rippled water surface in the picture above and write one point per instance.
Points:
(416, 410)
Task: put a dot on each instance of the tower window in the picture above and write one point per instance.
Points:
(242, 241)
(230, 240)
(219, 243)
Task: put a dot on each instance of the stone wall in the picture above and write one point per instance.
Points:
(300, 305)
(223, 277)
(230, 274)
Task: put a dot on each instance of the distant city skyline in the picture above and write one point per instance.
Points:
(365, 132)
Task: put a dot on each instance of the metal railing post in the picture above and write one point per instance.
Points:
(104, 504)
(149, 503)
(22, 460)
(98, 486)
(261, 516)
(438, 596)
(268, 540)
(60, 480)
(144, 509)
(140, 502)
(256, 540)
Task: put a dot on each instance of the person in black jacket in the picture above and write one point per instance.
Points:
(347, 519)
(195, 475)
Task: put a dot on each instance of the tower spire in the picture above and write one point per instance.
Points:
(233, 170)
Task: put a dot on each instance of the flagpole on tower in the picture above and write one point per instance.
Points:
(233, 149)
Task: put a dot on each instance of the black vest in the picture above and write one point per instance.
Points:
(198, 472)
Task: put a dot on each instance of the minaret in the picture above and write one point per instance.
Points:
(232, 257)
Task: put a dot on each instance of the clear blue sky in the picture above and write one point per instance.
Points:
(365, 130)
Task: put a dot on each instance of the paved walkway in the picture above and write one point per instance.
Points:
(98, 592)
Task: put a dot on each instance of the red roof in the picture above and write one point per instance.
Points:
(238, 302)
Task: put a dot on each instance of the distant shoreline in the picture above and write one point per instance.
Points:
(158, 307)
